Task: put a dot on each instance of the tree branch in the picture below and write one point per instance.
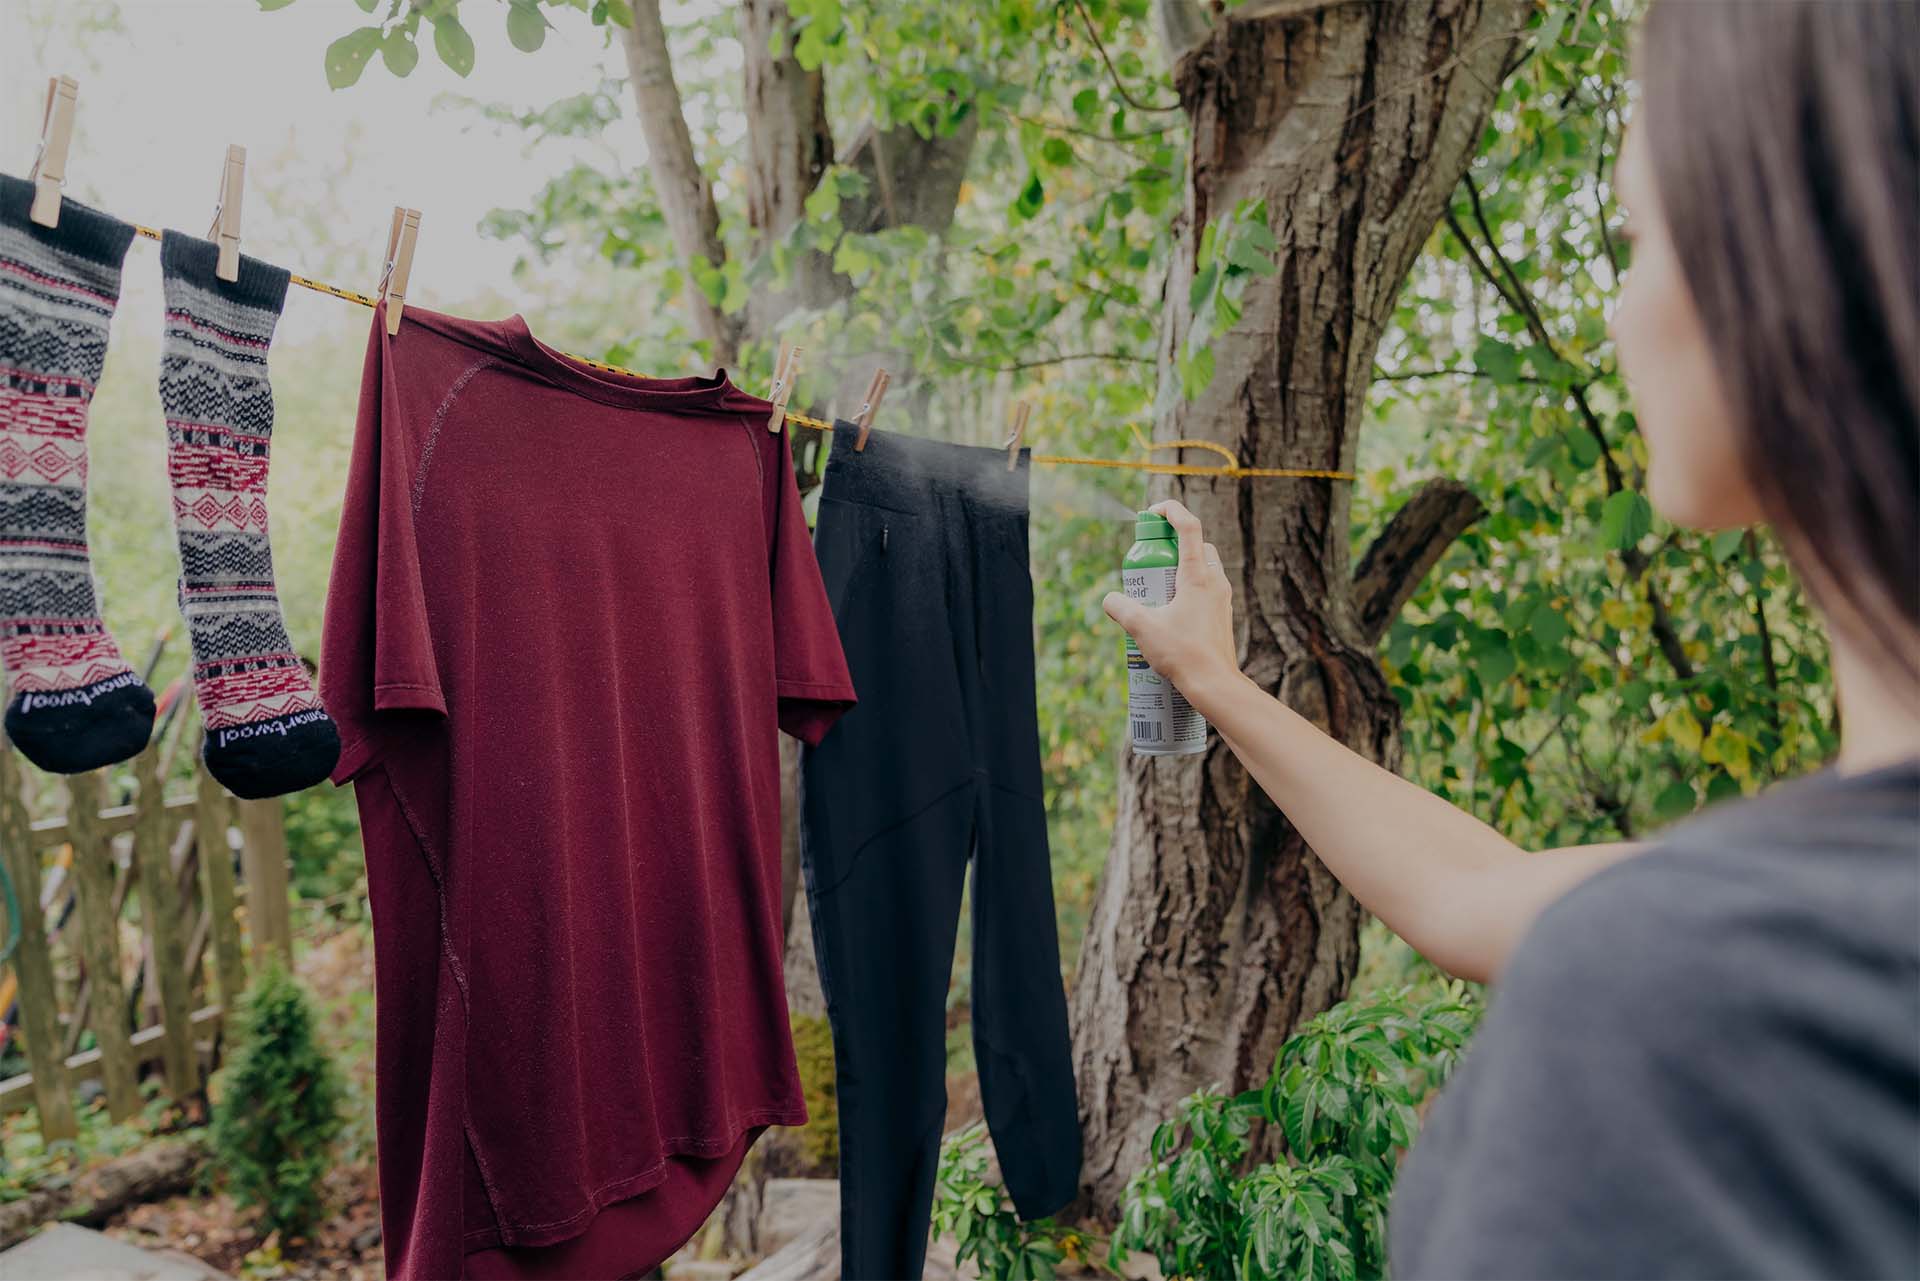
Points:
(1480, 268)
(1118, 357)
(1637, 562)
(1408, 375)
(1410, 545)
(1119, 85)
(1600, 190)
(1522, 302)
(1061, 126)
(679, 184)
(912, 181)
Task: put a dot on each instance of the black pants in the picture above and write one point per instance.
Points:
(923, 546)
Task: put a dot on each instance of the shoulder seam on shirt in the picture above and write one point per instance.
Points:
(767, 531)
(458, 385)
(746, 425)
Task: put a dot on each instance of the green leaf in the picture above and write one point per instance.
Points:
(1493, 659)
(1635, 694)
(1057, 153)
(1582, 448)
(1625, 519)
(1497, 361)
(526, 27)
(348, 56)
(1032, 196)
(268, 6)
(1548, 627)
(1727, 543)
(1674, 801)
(1202, 285)
(823, 202)
(399, 52)
(366, 6)
(454, 44)
(1196, 372)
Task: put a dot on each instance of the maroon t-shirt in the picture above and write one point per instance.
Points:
(568, 611)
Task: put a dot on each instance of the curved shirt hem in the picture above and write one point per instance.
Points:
(559, 1230)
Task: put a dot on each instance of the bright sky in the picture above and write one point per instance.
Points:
(161, 99)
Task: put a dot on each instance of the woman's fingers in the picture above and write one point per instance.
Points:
(1122, 609)
(1187, 525)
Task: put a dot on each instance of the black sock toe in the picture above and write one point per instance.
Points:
(273, 757)
(71, 731)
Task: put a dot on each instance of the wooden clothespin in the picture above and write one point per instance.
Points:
(399, 264)
(784, 377)
(869, 407)
(1020, 411)
(225, 231)
(49, 172)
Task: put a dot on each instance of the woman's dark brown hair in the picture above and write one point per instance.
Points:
(1785, 138)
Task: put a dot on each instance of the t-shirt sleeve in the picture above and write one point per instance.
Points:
(810, 669)
(377, 670)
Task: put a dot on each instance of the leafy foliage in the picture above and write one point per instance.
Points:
(28, 1163)
(279, 1107)
(396, 35)
(1576, 668)
(1342, 1092)
(1231, 252)
(976, 1212)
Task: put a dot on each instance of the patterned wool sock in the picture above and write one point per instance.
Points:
(266, 730)
(76, 704)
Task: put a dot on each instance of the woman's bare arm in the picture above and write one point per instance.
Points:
(1446, 882)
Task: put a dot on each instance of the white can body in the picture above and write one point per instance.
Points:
(1160, 719)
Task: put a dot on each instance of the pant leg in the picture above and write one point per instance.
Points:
(1020, 1030)
(884, 936)
(887, 817)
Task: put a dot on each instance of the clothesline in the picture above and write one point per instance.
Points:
(1231, 470)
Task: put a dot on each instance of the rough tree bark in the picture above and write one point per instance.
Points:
(1216, 930)
(681, 186)
(789, 147)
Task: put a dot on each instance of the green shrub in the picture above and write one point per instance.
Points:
(818, 1141)
(279, 1109)
(1342, 1092)
(977, 1213)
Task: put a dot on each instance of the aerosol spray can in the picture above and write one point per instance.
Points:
(1162, 722)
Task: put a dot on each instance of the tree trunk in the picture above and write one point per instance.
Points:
(95, 1195)
(1216, 931)
(789, 146)
(679, 183)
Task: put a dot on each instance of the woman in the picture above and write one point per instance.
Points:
(1703, 1053)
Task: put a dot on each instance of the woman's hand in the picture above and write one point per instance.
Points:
(1189, 640)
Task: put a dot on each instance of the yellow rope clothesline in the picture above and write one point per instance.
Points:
(1231, 469)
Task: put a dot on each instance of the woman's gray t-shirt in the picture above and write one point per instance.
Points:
(1702, 1062)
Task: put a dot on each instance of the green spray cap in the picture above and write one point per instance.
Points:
(1148, 526)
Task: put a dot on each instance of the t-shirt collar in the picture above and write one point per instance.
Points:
(630, 391)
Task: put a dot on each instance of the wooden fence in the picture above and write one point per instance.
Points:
(131, 926)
